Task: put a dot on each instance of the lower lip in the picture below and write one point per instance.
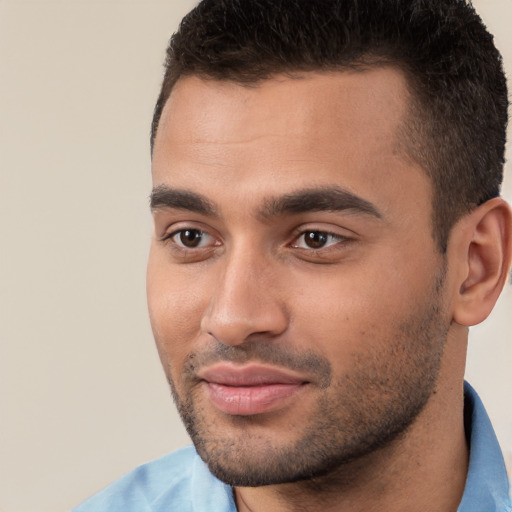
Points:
(249, 400)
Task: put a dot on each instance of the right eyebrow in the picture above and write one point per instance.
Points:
(163, 196)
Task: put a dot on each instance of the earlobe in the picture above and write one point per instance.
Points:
(486, 252)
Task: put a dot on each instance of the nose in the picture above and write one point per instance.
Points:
(246, 300)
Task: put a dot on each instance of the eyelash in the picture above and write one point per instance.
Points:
(337, 238)
(315, 234)
(196, 231)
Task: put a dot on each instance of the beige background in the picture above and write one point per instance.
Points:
(82, 396)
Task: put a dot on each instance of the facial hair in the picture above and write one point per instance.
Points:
(362, 411)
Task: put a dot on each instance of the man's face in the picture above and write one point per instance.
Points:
(293, 281)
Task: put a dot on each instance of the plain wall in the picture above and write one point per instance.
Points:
(82, 395)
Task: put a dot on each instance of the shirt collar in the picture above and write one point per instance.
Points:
(487, 487)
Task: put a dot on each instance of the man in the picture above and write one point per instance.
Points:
(327, 227)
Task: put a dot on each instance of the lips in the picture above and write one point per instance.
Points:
(251, 389)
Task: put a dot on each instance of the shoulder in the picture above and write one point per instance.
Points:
(169, 483)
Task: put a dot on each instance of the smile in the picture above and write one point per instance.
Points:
(250, 390)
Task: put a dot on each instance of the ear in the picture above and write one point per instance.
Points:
(484, 247)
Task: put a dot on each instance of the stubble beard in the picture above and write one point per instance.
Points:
(366, 410)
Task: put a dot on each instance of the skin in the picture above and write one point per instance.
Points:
(373, 320)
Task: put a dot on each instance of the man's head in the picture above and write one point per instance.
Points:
(458, 107)
(303, 311)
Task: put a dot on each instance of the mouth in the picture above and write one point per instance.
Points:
(250, 389)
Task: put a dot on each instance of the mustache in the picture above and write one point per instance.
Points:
(260, 351)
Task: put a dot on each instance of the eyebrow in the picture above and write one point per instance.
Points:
(163, 196)
(328, 199)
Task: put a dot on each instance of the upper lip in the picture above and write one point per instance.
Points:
(248, 375)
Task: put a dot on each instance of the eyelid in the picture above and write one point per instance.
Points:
(337, 237)
(171, 236)
(175, 228)
(328, 228)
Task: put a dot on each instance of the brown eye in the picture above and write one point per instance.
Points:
(192, 238)
(315, 239)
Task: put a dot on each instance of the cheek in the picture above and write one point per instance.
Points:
(176, 303)
(336, 323)
(356, 310)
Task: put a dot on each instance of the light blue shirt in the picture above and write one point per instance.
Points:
(181, 482)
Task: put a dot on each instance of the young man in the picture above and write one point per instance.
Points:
(327, 227)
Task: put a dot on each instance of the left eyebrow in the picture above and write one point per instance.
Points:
(328, 199)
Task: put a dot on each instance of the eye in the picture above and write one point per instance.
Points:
(191, 238)
(312, 239)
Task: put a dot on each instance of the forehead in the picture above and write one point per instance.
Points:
(377, 98)
(286, 133)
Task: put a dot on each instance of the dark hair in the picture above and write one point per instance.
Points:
(456, 128)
